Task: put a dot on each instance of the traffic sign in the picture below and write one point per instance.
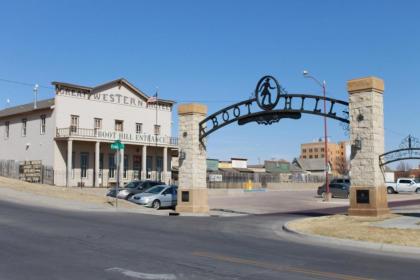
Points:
(117, 145)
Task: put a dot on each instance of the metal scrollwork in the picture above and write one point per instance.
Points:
(264, 96)
(409, 148)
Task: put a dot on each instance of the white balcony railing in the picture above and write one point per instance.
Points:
(114, 135)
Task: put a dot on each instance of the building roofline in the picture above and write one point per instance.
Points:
(45, 104)
(119, 81)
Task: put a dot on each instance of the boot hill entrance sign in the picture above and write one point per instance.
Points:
(271, 103)
(268, 107)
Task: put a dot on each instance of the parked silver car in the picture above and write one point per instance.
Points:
(133, 188)
(157, 197)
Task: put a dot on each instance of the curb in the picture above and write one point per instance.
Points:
(383, 247)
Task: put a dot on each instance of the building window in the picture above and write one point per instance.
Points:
(98, 124)
(119, 125)
(111, 164)
(310, 156)
(303, 150)
(43, 124)
(157, 129)
(322, 149)
(304, 156)
(310, 150)
(316, 150)
(74, 123)
(139, 127)
(24, 123)
(84, 164)
(316, 156)
(6, 129)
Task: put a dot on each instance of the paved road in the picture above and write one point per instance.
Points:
(41, 243)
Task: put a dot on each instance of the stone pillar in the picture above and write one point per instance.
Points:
(97, 151)
(192, 188)
(69, 162)
(143, 174)
(368, 196)
(165, 178)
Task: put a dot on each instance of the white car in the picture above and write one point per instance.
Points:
(404, 185)
(157, 197)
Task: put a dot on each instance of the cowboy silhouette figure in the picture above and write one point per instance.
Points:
(265, 87)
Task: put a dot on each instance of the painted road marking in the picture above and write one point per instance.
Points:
(330, 275)
(141, 275)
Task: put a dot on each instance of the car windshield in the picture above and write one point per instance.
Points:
(132, 185)
(417, 180)
(156, 190)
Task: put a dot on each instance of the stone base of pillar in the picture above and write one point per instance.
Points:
(192, 201)
(368, 201)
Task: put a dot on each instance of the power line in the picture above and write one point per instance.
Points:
(24, 83)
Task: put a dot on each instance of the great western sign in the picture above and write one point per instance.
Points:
(115, 98)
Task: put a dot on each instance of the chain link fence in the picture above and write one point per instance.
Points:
(234, 180)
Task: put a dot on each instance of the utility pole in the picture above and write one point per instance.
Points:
(36, 95)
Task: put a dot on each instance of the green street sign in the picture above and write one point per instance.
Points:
(117, 145)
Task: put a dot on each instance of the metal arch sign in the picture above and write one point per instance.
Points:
(270, 104)
(409, 149)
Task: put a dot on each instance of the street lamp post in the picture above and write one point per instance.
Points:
(323, 85)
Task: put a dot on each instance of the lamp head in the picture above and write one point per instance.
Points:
(305, 73)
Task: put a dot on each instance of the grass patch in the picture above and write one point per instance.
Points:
(358, 228)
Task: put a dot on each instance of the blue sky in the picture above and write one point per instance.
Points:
(214, 52)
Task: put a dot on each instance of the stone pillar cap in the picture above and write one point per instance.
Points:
(192, 108)
(365, 84)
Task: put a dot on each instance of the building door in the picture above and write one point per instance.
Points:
(149, 162)
(136, 167)
(159, 168)
(84, 164)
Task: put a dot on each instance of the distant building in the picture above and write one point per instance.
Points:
(225, 164)
(315, 166)
(277, 166)
(239, 162)
(257, 168)
(338, 155)
(212, 165)
(412, 173)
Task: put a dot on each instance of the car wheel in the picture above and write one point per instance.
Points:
(390, 190)
(418, 190)
(156, 204)
(129, 196)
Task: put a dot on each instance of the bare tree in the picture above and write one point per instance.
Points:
(403, 166)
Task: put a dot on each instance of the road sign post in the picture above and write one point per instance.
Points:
(118, 146)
